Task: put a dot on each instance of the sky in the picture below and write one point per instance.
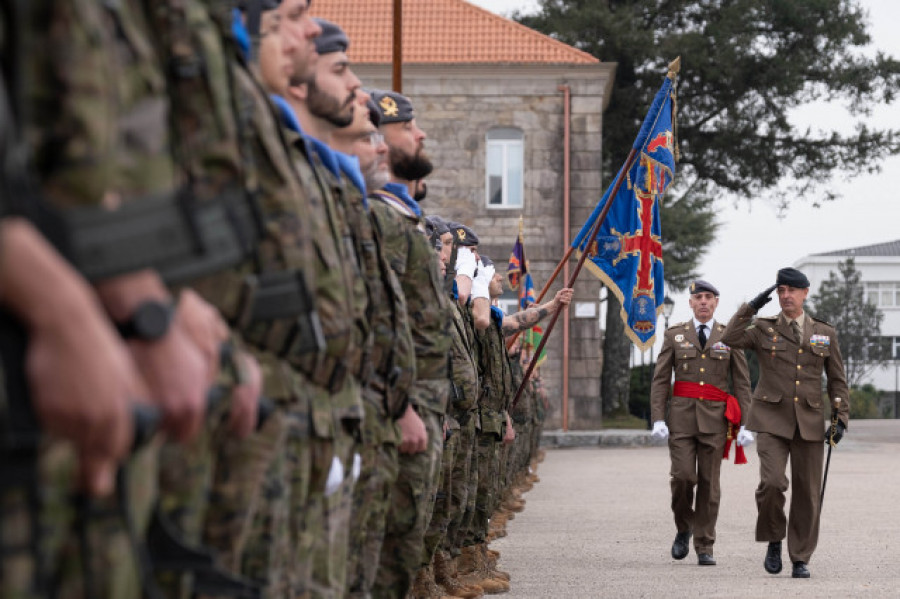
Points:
(753, 242)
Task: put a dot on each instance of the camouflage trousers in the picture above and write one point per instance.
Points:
(371, 502)
(487, 450)
(442, 512)
(57, 543)
(460, 481)
(411, 504)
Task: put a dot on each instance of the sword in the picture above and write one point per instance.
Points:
(832, 432)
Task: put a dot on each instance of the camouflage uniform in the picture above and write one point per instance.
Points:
(414, 260)
(463, 407)
(384, 399)
(496, 393)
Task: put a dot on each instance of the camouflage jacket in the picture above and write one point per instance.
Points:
(496, 378)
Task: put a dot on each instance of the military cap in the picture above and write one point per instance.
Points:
(332, 39)
(263, 4)
(374, 113)
(464, 235)
(485, 260)
(392, 107)
(792, 278)
(435, 225)
(699, 286)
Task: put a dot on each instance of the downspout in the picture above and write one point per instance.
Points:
(566, 90)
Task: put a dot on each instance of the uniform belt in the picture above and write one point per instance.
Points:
(707, 392)
(329, 372)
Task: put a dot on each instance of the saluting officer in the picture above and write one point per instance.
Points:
(788, 413)
(702, 416)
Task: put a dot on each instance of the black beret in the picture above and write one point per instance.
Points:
(464, 235)
(392, 107)
(792, 278)
(485, 260)
(332, 39)
(699, 286)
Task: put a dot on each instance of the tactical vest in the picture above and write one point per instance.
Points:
(416, 263)
(463, 366)
(496, 380)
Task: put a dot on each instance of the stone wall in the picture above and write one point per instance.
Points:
(456, 106)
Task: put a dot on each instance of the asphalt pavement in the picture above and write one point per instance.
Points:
(599, 525)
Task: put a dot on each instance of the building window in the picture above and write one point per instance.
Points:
(504, 179)
(883, 295)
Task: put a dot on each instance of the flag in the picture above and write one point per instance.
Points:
(517, 266)
(526, 298)
(627, 252)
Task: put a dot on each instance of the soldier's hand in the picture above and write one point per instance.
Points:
(660, 430)
(835, 438)
(762, 299)
(245, 397)
(205, 326)
(465, 262)
(80, 374)
(564, 296)
(510, 434)
(178, 376)
(414, 435)
(744, 438)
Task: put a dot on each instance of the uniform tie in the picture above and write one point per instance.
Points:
(795, 326)
(702, 335)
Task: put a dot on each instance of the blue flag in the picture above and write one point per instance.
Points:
(526, 298)
(626, 254)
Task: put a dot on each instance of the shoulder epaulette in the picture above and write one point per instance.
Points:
(820, 320)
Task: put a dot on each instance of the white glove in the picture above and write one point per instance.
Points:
(335, 477)
(660, 430)
(481, 281)
(465, 262)
(357, 467)
(744, 437)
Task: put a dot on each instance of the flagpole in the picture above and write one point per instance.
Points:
(397, 47)
(596, 229)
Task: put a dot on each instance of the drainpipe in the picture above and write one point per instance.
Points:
(566, 90)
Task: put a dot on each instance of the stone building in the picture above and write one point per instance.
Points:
(498, 102)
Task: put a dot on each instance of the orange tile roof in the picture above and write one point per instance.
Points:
(443, 31)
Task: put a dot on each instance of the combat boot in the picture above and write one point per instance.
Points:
(445, 575)
(420, 588)
(467, 562)
(515, 505)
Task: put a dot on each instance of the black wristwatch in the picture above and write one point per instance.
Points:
(149, 322)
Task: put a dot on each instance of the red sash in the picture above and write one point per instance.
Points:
(732, 411)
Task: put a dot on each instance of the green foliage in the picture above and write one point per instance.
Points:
(865, 402)
(840, 302)
(745, 65)
(639, 394)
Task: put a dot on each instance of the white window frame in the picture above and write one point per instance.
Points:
(507, 139)
(874, 290)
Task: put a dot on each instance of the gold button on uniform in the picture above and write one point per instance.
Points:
(796, 399)
(800, 351)
(701, 382)
(799, 366)
(702, 370)
(702, 355)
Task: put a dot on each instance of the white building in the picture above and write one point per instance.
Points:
(879, 267)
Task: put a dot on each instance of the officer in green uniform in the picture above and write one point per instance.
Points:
(399, 221)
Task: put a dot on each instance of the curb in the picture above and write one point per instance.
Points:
(603, 438)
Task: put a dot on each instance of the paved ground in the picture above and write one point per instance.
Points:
(599, 525)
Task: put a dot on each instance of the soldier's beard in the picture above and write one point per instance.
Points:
(327, 107)
(410, 168)
(376, 178)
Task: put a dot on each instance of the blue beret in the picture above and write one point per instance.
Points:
(332, 39)
(792, 278)
(392, 107)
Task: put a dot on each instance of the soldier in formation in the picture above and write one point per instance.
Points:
(226, 321)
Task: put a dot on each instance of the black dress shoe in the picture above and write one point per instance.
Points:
(800, 570)
(705, 559)
(773, 558)
(680, 547)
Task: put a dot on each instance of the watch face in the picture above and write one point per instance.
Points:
(151, 320)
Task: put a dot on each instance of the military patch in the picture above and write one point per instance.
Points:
(679, 338)
(461, 234)
(820, 341)
(389, 106)
(719, 346)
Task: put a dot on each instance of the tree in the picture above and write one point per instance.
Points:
(841, 302)
(746, 64)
